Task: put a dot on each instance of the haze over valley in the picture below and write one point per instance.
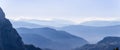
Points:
(59, 25)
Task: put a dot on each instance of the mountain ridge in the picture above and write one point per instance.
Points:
(88, 32)
(99, 23)
(108, 43)
(60, 39)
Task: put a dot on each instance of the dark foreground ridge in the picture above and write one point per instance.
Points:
(108, 43)
(9, 38)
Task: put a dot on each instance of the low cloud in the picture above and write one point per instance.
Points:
(75, 20)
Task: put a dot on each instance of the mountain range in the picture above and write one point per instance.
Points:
(40, 23)
(50, 38)
(60, 23)
(85, 30)
(19, 24)
(89, 32)
(98, 23)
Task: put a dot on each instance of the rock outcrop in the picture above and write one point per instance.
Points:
(9, 38)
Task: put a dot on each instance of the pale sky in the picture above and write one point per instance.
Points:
(72, 10)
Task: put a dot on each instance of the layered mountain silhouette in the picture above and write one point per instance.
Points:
(50, 38)
(98, 23)
(18, 24)
(45, 23)
(89, 32)
(108, 43)
(9, 38)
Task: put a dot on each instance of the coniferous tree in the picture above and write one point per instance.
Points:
(116, 48)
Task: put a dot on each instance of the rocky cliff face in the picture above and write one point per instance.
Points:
(9, 38)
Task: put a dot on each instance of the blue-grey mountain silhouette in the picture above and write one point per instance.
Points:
(98, 23)
(89, 32)
(18, 24)
(49, 23)
(50, 38)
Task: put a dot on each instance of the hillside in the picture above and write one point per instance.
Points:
(58, 40)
